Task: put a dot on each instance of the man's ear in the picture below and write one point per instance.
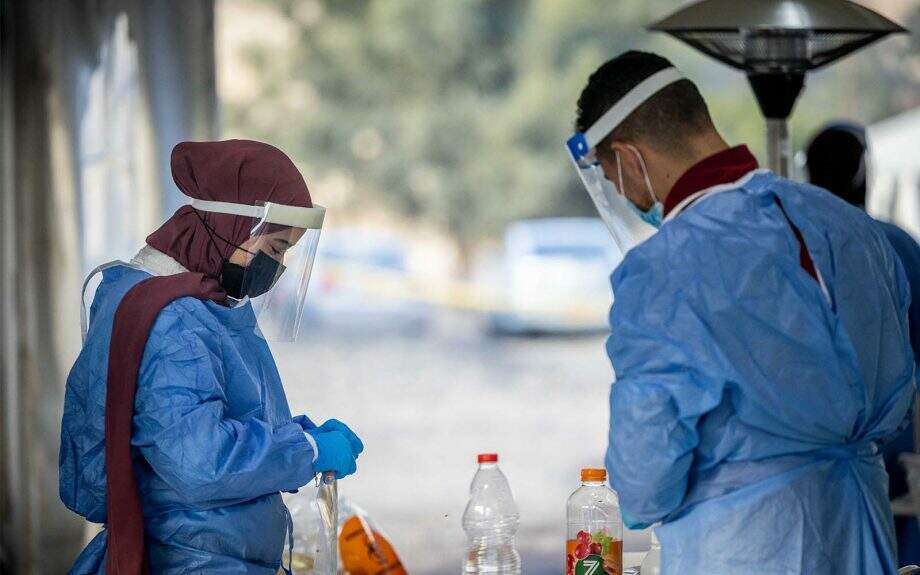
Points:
(628, 160)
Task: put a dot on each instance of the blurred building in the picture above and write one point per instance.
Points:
(893, 8)
(894, 171)
(93, 95)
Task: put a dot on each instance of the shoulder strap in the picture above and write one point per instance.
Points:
(84, 323)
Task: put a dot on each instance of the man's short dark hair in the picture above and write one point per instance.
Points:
(669, 118)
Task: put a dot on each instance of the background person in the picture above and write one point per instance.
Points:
(760, 345)
(187, 473)
(837, 161)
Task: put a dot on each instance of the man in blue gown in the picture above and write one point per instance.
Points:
(760, 345)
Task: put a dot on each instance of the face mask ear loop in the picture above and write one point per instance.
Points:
(212, 234)
(620, 188)
(207, 228)
(648, 182)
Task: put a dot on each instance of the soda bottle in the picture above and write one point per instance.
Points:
(490, 521)
(594, 544)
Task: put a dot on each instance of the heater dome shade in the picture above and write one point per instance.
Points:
(767, 36)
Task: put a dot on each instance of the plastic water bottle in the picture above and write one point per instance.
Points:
(594, 543)
(490, 521)
(651, 565)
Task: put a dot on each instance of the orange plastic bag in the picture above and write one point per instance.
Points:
(362, 548)
(365, 551)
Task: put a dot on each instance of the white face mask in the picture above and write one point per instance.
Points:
(654, 215)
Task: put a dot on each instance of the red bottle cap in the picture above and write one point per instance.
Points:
(488, 458)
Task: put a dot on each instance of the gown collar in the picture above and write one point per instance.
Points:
(720, 168)
(232, 311)
(156, 263)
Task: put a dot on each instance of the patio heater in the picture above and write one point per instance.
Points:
(777, 42)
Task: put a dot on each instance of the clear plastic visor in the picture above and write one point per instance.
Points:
(625, 226)
(280, 261)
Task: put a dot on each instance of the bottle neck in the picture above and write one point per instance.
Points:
(593, 483)
(488, 465)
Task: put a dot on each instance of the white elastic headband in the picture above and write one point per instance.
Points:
(628, 104)
(580, 145)
(294, 216)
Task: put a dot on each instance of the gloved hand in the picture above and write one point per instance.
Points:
(335, 425)
(335, 453)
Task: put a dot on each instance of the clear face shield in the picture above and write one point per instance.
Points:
(625, 226)
(279, 257)
(280, 309)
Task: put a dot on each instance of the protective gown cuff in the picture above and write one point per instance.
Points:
(632, 523)
(304, 422)
(313, 445)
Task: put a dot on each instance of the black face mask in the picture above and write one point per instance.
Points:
(253, 280)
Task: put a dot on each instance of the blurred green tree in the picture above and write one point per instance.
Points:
(455, 111)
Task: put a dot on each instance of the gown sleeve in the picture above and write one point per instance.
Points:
(182, 429)
(659, 395)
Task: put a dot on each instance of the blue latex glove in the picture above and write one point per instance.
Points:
(335, 453)
(632, 523)
(357, 446)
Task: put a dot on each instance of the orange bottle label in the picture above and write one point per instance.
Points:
(367, 552)
(596, 554)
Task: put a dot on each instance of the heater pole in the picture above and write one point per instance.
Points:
(776, 42)
(776, 94)
(778, 152)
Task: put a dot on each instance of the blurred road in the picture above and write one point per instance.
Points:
(426, 404)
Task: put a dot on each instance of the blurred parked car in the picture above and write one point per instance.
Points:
(555, 276)
(360, 283)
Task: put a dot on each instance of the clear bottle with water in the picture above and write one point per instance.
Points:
(490, 521)
(651, 565)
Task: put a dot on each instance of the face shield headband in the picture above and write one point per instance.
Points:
(625, 227)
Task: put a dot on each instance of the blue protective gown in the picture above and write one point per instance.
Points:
(748, 409)
(214, 442)
(907, 528)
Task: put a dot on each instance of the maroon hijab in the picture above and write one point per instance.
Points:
(238, 171)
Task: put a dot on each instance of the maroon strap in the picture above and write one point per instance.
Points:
(804, 257)
(133, 320)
